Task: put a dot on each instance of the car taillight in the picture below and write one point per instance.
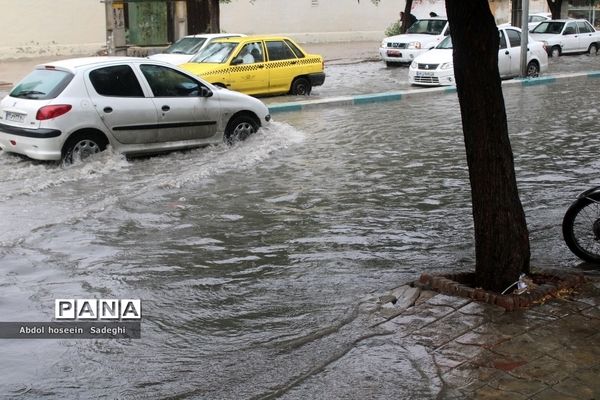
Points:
(49, 112)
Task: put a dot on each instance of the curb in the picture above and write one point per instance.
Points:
(361, 99)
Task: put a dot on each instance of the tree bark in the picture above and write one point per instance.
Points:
(501, 236)
(555, 7)
(407, 9)
(214, 11)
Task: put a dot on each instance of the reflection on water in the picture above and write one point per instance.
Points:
(250, 260)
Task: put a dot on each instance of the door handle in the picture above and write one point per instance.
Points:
(165, 108)
(108, 110)
(507, 52)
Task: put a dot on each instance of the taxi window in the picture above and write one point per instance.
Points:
(295, 49)
(117, 81)
(278, 50)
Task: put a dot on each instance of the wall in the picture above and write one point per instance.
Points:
(32, 28)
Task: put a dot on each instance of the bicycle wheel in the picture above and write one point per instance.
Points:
(581, 228)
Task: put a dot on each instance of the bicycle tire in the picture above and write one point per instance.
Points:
(578, 228)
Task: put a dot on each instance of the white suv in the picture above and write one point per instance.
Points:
(423, 35)
(70, 109)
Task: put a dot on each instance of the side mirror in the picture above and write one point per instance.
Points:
(205, 92)
(237, 61)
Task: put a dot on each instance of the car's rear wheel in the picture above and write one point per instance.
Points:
(555, 51)
(533, 69)
(593, 50)
(301, 86)
(82, 145)
(240, 128)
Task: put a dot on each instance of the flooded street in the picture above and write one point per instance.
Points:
(250, 260)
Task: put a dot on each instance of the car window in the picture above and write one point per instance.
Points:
(278, 50)
(216, 52)
(551, 27)
(166, 82)
(445, 44)
(186, 45)
(584, 27)
(514, 38)
(249, 54)
(42, 84)
(295, 49)
(502, 39)
(117, 80)
(570, 29)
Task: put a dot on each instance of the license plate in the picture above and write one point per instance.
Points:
(394, 53)
(14, 117)
(424, 73)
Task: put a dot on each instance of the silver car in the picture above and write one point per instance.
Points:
(67, 110)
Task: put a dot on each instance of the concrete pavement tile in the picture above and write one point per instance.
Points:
(551, 394)
(489, 359)
(585, 384)
(486, 335)
(417, 317)
(545, 369)
(424, 296)
(485, 310)
(512, 384)
(592, 312)
(490, 393)
(453, 354)
(450, 301)
(583, 352)
(557, 308)
(525, 345)
(446, 329)
(522, 320)
(468, 377)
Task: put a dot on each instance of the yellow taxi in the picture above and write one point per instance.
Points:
(259, 65)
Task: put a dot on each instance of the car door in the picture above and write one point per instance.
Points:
(570, 38)
(282, 64)
(503, 55)
(513, 37)
(586, 36)
(118, 98)
(184, 113)
(248, 73)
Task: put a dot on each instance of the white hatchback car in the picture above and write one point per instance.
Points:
(184, 49)
(435, 67)
(70, 109)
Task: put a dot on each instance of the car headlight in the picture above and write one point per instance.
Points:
(447, 65)
(414, 45)
(414, 65)
(383, 43)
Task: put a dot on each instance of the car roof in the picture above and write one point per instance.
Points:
(73, 64)
(214, 35)
(254, 37)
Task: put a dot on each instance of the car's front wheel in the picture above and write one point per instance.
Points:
(82, 145)
(555, 51)
(240, 128)
(533, 69)
(301, 86)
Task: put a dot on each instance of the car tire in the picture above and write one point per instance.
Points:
(555, 51)
(593, 50)
(240, 128)
(82, 145)
(301, 87)
(533, 69)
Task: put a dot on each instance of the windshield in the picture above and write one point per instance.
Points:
(186, 45)
(42, 84)
(445, 44)
(553, 27)
(217, 52)
(427, 26)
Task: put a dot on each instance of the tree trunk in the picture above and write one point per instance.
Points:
(215, 16)
(198, 16)
(555, 7)
(407, 9)
(501, 236)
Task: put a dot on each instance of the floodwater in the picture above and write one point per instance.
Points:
(250, 260)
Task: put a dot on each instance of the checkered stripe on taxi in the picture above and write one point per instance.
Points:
(268, 65)
(298, 61)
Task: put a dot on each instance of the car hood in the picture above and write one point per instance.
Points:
(408, 38)
(435, 56)
(175, 59)
(202, 68)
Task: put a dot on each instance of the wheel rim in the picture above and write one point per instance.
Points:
(593, 49)
(555, 52)
(84, 148)
(243, 130)
(301, 87)
(532, 71)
